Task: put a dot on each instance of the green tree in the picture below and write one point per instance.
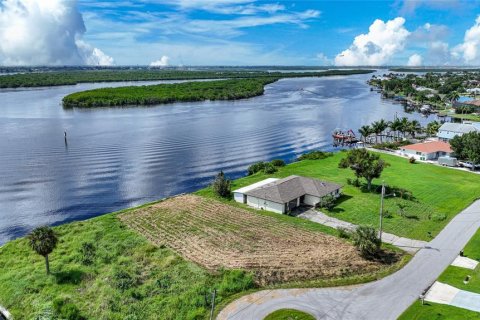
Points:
(404, 124)
(432, 128)
(452, 96)
(43, 241)
(467, 146)
(221, 185)
(414, 127)
(365, 164)
(365, 131)
(366, 240)
(395, 126)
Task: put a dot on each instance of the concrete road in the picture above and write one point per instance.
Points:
(384, 299)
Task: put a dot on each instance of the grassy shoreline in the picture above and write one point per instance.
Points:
(163, 280)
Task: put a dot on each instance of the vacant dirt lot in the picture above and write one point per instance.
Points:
(217, 235)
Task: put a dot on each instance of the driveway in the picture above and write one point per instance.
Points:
(383, 299)
(409, 245)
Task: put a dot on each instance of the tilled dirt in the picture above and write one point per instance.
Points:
(216, 235)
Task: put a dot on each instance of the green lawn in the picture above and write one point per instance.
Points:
(440, 193)
(434, 311)
(130, 278)
(453, 276)
(289, 314)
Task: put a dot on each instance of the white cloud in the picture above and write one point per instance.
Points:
(469, 51)
(415, 60)
(324, 60)
(162, 62)
(376, 47)
(34, 32)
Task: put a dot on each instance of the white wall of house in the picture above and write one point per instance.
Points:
(423, 155)
(265, 204)
(237, 196)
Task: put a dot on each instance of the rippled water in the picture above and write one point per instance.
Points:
(121, 157)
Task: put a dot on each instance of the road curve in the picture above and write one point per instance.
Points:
(383, 299)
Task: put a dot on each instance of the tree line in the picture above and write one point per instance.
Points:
(59, 78)
(398, 128)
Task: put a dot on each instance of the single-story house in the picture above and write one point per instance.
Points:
(448, 130)
(429, 150)
(283, 195)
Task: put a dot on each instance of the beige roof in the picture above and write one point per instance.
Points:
(293, 187)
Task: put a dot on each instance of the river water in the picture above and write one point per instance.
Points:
(116, 158)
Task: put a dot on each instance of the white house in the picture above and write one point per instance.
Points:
(283, 195)
(429, 150)
(448, 130)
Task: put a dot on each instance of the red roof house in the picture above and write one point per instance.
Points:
(429, 150)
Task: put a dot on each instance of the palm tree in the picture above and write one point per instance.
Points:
(452, 96)
(365, 131)
(395, 125)
(404, 123)
(414, 127)
(376, 129)
(43, 240)
(432, 128)
(383, 125)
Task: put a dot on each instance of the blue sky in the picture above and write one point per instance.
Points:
(242, 32)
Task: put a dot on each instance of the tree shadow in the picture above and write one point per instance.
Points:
(387, 257)
(74, 276)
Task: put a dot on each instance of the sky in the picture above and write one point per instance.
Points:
(240, 32)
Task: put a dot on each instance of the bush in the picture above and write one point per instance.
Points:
(328, 202)
(221, 185)
(412, 160)
(87, 253)
(394, 145)
(315, 155)
(66, 310)
(367, 242)
(256, 167)
(438, 217)
(278, 163)
(123, 280)
(269, 168)
(344, 233)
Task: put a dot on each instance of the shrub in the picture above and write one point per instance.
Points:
(412, 160)
(87, 253)
(269, 168)
(344, 233)
(221, 185)
(315, 155)
(256, 167)
(328, 202)
(367, 242)
(123, 280)
(278, 163)
(66, 310)
(438, 217)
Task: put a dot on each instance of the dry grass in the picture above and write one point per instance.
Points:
(216, 235)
